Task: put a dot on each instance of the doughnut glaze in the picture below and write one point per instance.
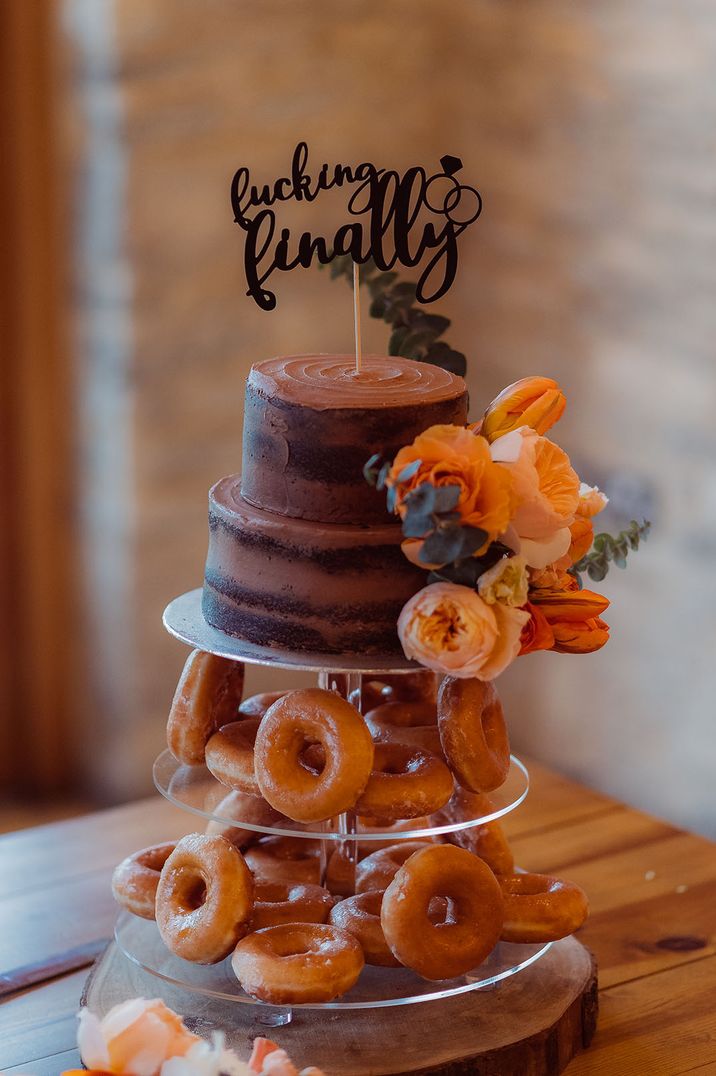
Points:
(295, 963)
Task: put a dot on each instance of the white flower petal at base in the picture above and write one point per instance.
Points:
(134, 1038)
(207, 1059)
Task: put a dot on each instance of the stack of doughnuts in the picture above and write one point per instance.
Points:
(299, 930)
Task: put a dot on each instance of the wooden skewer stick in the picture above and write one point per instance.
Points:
(356, 314)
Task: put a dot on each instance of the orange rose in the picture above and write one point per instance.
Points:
(547, 492)
(450, 628)
(452, 456)
(537, 402)
(536, 634)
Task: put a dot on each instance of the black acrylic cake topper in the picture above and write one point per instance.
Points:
(397, 225)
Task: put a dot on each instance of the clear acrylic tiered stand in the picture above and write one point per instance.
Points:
(194, 789)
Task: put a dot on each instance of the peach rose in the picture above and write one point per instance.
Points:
(449, 628)
(547, 491)
(537, 402)
(453, 456)
(135, 1038)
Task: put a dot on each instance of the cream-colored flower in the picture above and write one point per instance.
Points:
(135, 1038)
(451, 629)
(547, 491)
(506, 582)
(591, 500)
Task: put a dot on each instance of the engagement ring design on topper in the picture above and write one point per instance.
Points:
(403, 218)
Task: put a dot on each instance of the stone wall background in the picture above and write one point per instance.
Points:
(589, 131)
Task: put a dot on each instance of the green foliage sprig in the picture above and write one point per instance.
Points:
(607, 550)
(415, 333)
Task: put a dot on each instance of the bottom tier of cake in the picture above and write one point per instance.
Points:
(301, 585)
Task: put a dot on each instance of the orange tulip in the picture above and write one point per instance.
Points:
(579, 637)
(537, 402)
(570, 606)
(537, 633)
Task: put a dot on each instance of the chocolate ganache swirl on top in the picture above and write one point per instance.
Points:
(312, 421)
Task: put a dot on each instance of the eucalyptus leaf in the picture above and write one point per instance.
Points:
(409, 471)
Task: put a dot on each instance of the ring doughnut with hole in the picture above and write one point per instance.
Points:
(434, 949)
(207, 696)
(205, 898)
(473, 733)
(295, 722)
(135, 879)
(406, 782)
(296, 963)
(539, 908)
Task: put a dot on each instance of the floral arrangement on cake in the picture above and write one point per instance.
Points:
(500, 521)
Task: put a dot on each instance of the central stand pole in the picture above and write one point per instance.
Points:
(348, 686)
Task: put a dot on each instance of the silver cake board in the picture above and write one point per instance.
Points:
(183, 618)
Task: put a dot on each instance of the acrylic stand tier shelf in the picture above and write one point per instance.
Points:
(526, 1009)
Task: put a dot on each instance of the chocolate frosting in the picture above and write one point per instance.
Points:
(311, 423)
(331, 382)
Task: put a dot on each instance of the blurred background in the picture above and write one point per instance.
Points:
(589, 130)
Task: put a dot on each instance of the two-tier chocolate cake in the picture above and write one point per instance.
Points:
(302, 552)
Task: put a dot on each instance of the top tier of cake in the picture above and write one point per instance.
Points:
(311, 422)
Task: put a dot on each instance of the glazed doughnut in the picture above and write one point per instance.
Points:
(295, 860)
(418, 686)
(360, 916)
(487, 841)
(442, 950)
(276, 902)
(378, 869)
(295, 963)
(237, 807)
(205, 898)
(393, 831)
(541, 909)
(405, 722)
(207, 696)
(257, 705)
(424, 737)
(229, 755)
(403, 715)
(473, 733)
(135, 879)
(406, 782)
(292, 724)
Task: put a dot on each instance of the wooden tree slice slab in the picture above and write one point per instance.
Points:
(531, 1024)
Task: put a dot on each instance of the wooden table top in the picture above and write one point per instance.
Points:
(652, 890)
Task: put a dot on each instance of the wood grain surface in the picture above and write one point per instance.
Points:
(653, 924)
